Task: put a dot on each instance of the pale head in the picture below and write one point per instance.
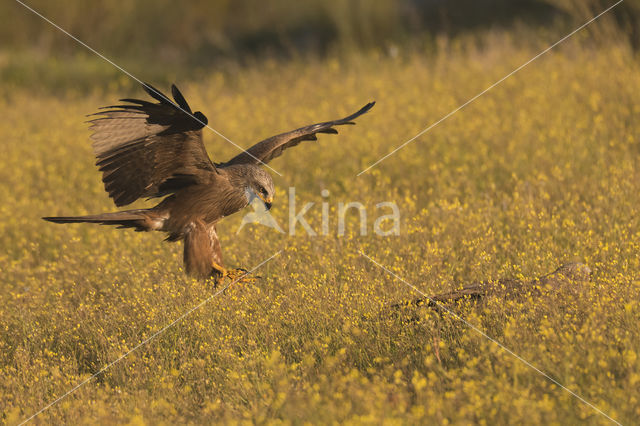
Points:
(255, 182)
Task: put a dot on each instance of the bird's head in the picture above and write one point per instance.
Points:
(260, 184)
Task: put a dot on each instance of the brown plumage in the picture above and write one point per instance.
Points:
(148, 150)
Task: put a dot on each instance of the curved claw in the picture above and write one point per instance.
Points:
(240, 274)
(235, 275)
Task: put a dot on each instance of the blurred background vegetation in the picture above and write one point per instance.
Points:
(159, 39)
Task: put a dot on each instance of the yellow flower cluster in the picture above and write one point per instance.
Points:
(542, 170)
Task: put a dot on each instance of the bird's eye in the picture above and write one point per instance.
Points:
(263, 191)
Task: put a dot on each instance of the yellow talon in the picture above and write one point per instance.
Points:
(235, 275)
(220, 269)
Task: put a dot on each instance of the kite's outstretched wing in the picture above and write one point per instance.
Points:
(268, 149)
(147, 149)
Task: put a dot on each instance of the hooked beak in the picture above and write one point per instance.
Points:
(267, 201)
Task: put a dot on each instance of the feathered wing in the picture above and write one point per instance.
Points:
(147, 149)
(268, 149)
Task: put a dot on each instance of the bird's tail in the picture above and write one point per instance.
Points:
(141, 219)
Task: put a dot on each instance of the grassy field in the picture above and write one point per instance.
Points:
(540, 171)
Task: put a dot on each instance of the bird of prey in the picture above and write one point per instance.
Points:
(155, 149)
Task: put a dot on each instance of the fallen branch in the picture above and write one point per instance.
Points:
(562, 278)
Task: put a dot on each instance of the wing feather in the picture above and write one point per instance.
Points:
(147, 149)
(270, 148)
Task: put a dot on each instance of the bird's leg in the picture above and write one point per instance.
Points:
(232, 274)
(221, 270)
